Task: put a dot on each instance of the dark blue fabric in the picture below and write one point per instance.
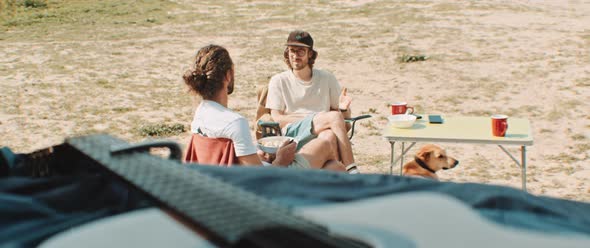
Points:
(32, 209)
(503, 205)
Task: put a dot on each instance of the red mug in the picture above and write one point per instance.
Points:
(499, 125)
(400, 108)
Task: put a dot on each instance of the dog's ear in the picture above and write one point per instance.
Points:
(424, 155)
(437, 154)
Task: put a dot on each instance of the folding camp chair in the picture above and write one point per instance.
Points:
(267, 127)
(212, 151)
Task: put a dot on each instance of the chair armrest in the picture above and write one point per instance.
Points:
(353, 121)
(269, 128)
(268, 123)
(356, 118)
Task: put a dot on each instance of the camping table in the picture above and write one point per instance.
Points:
(474, 130)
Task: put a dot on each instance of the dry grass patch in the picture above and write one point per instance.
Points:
(582, 148)
(545, 130)
(578, 137)
(48, 19)
(479, 113)
(563, 158)
(381, 163)
(582, 82)
(371, 127)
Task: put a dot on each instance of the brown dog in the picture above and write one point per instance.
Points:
(429, 159)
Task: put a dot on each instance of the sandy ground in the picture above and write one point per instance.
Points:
(524, 59)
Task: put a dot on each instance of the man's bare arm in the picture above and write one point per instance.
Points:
(250, 160)
(283, 158)
(256, 160)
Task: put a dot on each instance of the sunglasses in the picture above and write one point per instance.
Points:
(299, 52)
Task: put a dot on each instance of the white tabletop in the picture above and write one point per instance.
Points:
(460, 129)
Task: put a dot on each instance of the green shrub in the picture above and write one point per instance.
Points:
(34, 3)
(161, 130)
(412, 58)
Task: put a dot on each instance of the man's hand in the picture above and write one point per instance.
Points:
(266, 157)
(285, 154)
(345, 100)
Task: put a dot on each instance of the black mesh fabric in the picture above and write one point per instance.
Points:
(226, 210)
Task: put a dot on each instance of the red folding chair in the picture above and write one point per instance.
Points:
(211, 151)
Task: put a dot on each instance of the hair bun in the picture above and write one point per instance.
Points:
(199, 76)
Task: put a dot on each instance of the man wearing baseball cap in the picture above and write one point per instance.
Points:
(309, 103)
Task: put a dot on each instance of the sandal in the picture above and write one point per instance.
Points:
(352, 169)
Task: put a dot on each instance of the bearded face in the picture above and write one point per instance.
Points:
(298, 57)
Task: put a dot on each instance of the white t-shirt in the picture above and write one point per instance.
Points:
(290, 94)
(217, 121)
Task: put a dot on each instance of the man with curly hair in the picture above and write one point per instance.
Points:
(309, 103)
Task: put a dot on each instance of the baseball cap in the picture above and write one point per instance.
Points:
(300, 38)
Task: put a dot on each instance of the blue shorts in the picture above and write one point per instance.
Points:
(302, 130)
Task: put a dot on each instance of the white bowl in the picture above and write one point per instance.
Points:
(271, 144)
(402, 121)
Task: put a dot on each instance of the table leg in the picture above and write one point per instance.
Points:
(401, 163)
(401, 157)
(523, 166)
(521, 163)
(391, 163)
